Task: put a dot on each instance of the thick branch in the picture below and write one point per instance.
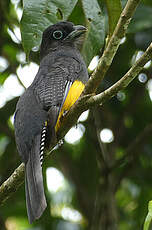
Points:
(11, 185)
(112, 47)
(123, 82)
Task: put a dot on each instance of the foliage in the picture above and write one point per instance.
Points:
(121, 191)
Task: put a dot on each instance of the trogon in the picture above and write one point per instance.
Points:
(60, 80)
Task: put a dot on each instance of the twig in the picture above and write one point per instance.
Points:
(112, 47)
(102, 155)
(19, 80)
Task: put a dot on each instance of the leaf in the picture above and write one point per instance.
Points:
(77, 16)
(96, 29)
(3, 77)
(38, 15)
(114, 10)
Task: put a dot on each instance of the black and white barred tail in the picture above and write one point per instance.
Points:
(42, 142)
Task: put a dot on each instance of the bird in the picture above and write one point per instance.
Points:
(59, 82)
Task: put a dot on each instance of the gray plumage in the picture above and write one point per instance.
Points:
(61, 64)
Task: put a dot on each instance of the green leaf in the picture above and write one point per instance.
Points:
(148, 217)
(114, 10)
(77, 16)
(96, 29)
(3, 77)
(39, 14)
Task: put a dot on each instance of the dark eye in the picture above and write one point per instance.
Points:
(57, 34)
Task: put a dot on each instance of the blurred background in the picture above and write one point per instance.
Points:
(100, 178)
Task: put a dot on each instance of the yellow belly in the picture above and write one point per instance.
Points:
(73, 95)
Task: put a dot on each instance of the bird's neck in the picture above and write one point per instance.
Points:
(56, 49)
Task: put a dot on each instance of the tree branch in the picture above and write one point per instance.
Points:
(112, 47)
(11, 185)
(102, 155)
(90, 100)
(123, 82)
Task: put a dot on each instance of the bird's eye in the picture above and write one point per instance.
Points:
(57, 34)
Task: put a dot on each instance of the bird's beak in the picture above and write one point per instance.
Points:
(77, 32)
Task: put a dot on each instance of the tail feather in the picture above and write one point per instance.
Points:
(35, 197)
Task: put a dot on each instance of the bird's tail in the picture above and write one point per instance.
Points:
(35, 197)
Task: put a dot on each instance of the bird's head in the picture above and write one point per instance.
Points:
(59, 34)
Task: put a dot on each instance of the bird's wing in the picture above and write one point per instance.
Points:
(71, 95)
(29, 121)
(60, 87)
